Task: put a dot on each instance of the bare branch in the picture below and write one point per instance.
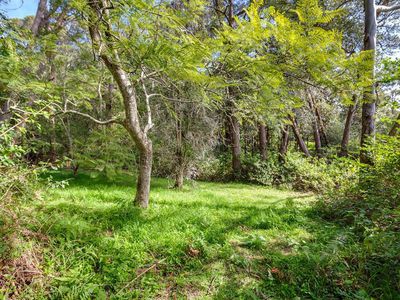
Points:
(384, 8)
(100, 122)
(149, 124)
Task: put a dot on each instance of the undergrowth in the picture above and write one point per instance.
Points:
(208, 241)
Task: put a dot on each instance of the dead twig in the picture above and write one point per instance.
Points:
(141, 274)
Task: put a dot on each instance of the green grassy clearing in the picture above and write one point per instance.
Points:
(208, 241)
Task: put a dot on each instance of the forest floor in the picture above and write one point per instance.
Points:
(207, 241)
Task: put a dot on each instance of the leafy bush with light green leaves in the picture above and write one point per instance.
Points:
(106, 151)
(301, 173)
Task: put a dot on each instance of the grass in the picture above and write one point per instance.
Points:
(208, 241)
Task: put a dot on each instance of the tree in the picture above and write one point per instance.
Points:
(110, 42)
(372, 11)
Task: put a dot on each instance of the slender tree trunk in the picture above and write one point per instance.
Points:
(233, 121)
(39, 17)
(144, 178)
(132, 124)
(109, 100)
(395, 127)
(179, 177)
(284, 143)
(344, 146)
(262, 141)
(317, 140)
(299, 138)
(316, 127)
(53, 151)
(5, 111)
(321, 126)
(179, 159)
(369, 101)
(236, 149)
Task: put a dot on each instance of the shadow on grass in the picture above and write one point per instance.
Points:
(269, 249)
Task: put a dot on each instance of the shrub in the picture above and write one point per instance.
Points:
(369, 207)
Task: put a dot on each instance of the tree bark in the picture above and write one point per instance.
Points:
(284, 143)
(179, 177)
(262, 141)
(144, 178)
(344, 146)
(299, 138)
(369, 101)
(39, 17)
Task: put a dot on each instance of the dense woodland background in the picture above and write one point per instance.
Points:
(296, 95)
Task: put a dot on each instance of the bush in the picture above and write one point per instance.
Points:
(370, 207)
(301, 173)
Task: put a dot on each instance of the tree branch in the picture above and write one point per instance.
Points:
(384, 8)
(100, 122)
(149, 124)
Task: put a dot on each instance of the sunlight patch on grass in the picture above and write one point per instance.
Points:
(208, 241)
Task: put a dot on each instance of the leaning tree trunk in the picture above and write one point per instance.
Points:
(316, 131)
(296, 130)
(284, 143)
(321, 127)
(39, 17)
(262, 141)
(112, 61)
(344, 146)
(369, 102)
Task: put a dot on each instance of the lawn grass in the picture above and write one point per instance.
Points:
(208, 241)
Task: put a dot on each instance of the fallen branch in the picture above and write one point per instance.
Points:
(141, 274)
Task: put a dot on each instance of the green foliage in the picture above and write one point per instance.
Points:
(369, 206)
(117, 152)
(224, 241)
(297, 172)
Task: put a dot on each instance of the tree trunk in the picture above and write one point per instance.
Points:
(395, 127)
(144, 178)
(53, 141)
(317, 140)
(236, 149)
(179, 167)
(179, 177)
(344, 146)
(39, 17)
(369, 101)
(262, 141)
(5, 111)
(299, 138)
(284, 143)
(109, 100)
(321, 127)
(316, 127)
